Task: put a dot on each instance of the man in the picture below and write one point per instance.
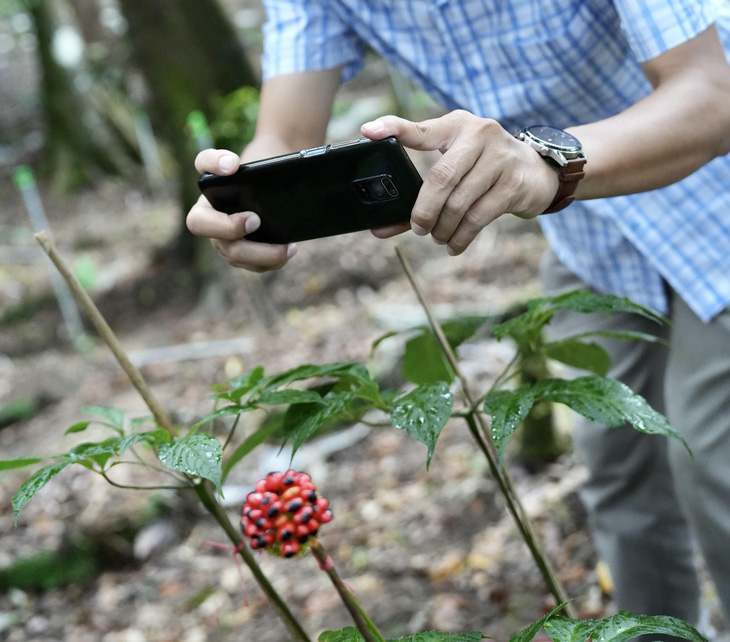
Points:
(641, 88)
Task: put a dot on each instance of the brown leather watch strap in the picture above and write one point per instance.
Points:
(569, 176)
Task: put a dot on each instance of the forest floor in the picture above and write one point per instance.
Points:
(423, 549)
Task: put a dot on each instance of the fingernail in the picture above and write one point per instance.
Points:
(451, 251)
(291, 250)
(374, 126)
(228, 162)
(251, 225)
(418, 230)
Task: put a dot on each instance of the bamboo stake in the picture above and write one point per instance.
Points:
(486, 443)
(85, 301)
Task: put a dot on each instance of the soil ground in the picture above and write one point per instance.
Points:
(421, 549)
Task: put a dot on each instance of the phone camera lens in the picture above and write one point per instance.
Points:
(389, 186)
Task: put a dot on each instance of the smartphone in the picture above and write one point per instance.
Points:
(334, 189)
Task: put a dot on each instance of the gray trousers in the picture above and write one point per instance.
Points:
(647, 500)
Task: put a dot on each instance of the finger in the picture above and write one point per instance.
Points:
(203, 220)
(217, 161)
(441, 181)
(476, 218)
(476, 183)
(256, 257)
(387, 231)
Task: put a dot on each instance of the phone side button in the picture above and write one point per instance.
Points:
(315, 151)
(347, 143)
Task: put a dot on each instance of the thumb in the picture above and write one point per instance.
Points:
(426, 135)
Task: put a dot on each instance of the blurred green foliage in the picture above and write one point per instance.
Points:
(234, 120)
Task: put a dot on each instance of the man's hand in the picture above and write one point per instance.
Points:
(227, 233)
(483, 172)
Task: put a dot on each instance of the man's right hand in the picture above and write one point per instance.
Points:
(228, 232)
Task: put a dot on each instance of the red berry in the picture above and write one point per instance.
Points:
(255, 514)
(290, 549)
(273, 481)
(325, 517)
(274, 509)
(261, 486)
(286, 531)
(321, 505)
(303, 515)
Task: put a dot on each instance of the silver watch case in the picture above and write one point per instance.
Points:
(561, 154)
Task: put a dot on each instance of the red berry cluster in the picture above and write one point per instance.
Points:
(283, 512)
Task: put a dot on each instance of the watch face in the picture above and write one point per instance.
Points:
(555, 138)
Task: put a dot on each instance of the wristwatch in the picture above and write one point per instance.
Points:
(565, 150)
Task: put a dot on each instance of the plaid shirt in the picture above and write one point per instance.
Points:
(556, 62)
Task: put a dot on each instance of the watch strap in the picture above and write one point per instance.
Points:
(569, 175)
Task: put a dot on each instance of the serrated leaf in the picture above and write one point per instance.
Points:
(588, 302)
(289, 396)
(619, 628)
(252, 441)
(19, 462)
(78, 427)
(226, 411)
(114, 417)
(528, 633)
(196, 454)
(607, 401)
(508, 409)
(242, 385)
(37, 481)
(423, 413)
(301, 421)
(351, 634)
(577, 354)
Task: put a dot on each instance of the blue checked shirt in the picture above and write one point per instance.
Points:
(555, 62)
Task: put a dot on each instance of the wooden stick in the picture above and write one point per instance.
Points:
(85, 301)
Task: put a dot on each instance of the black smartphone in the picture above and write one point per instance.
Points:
(343, 187)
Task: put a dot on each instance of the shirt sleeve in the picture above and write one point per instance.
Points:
(655, 26)
(306, 35)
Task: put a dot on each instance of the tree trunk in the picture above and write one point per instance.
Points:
(189, 55)
(78, 142)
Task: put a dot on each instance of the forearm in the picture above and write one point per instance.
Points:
(682, 125)
(294, 113)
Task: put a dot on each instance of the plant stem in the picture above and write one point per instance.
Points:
(365, 625)
(476, 421)
(201, 489)
(206, 497)
(85, 301)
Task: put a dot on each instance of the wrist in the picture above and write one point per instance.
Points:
(564, 153)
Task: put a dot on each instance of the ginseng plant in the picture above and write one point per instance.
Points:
(283, 513)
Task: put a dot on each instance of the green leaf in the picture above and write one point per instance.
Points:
(195, 454)
(301, 421)
(424, 362)
(242, 385)
(588, 302)
(527, 634)
(289, 396)
(619, 628)
(226, 411)
(424, 412)
(114, 417)
(101, 452)
(26, 492)
(607, 401)
(351, 634)
(78, 427)
(20, 462)
(252, 441)
(300, 373)
(585, 356)
(508, 409)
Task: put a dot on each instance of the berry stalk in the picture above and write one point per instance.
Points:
(365, 625)
(216, 510)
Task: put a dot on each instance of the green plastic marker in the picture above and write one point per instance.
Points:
(198, 125)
